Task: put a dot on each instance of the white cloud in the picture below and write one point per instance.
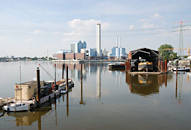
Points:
(37, 31)
(131, 27)
(148, 26)
(89, 24)
(157, 15)
(83, 30)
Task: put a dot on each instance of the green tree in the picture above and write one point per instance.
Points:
(166, 52)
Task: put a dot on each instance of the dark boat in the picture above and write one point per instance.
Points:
(117, 66)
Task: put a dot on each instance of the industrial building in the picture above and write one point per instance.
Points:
(118, 52)
(143, 59)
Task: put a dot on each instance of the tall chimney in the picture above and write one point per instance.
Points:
(98, 39)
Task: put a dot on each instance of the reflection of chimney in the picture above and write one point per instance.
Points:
(99, 82)
(81, 101)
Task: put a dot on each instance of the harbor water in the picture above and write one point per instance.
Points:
(101, 99)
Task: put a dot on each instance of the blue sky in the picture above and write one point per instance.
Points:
(41, 27)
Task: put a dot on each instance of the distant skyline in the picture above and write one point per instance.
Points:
(41, 27)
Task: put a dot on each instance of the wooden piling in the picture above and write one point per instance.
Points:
(55, 76)
(67, 78)
(63, 66)
(165, 65)
(38, 84)
(161, 64)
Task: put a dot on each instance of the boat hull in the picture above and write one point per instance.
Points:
(14, 108)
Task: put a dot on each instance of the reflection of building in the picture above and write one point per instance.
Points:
(146, 84)
(27, 118)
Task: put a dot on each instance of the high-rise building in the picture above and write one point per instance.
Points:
(92, 52)
(72, 48)
(80, 45)
(98, 39)
(118, 52)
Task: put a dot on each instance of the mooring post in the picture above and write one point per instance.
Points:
(63, 66)
(38, 84)
(55, 77)
(67, 78)
(161, 66)
(165, 65)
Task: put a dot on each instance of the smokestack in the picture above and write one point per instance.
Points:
(98, 39)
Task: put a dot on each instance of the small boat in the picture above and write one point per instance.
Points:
(16, 107)
(117, 66)
(182, 68)
(62, 86)
(62, 91)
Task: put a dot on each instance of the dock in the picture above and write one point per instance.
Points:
(147, 73)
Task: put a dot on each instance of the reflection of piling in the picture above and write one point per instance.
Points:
(67, 104)
(38, 83)
(55, 113)
(66, 78)
(165, 80)
(176, 85)
(39, 122)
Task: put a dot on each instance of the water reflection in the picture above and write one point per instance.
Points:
(28, 118)
(93, 82)
(99, 82)
(146, 84)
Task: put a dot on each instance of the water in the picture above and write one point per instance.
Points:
(102, 100)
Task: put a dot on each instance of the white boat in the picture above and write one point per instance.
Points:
(181, 68)
(16, 107)
(63, 91)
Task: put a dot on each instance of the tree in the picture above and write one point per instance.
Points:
(166, 52)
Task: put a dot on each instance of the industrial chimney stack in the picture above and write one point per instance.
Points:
(98, 39)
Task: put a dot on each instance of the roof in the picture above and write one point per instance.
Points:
(144, 53)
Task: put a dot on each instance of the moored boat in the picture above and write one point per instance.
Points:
(117, 66)
(17, 106)
(181, 68)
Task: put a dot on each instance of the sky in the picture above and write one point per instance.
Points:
(43, 27)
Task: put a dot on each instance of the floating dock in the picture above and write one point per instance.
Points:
(147, 73)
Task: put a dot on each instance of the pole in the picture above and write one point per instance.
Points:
(38, 83)
(55, 76)
(165, 65)
(63, 66)
(67, 78)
